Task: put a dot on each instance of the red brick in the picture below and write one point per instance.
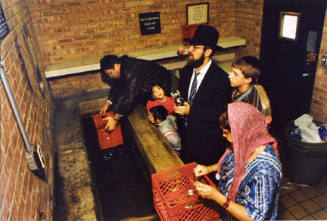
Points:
(5, 138)
(4, 209)
(14, 211)
(20, 214)
(4, 178)
(9, 191)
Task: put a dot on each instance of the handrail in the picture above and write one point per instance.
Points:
(15, 110)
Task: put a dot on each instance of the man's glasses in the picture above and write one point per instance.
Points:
(196, 47)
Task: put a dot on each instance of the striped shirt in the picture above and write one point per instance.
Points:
(258, 191)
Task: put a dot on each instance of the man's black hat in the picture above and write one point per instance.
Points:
(205, 35)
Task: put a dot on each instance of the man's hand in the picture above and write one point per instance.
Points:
(110, 126)
(183, 110)
(104, 108)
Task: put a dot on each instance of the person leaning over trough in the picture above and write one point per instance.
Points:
(249, 173)
(166, 124)
(244, 77)
(131, 82)
(206, 88)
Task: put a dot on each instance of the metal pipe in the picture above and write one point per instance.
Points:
(15, 109)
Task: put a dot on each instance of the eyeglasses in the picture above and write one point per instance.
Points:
(196, 47)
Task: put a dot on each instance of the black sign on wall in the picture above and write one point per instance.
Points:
(4, 30)
(150, 23)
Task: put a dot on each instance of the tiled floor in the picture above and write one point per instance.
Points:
(303, 202)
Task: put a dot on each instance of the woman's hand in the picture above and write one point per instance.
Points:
(201, 170)
(206, 191)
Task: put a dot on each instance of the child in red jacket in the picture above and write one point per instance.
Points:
(159, 98)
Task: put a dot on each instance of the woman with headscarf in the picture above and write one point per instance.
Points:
(249, 173)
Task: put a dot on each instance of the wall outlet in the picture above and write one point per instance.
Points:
(40, 156)
(36, 162)
(35, 159)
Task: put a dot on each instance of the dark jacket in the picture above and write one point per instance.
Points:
(137, 77)
(202, 138)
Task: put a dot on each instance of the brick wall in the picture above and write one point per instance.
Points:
(248, 25)
(77, 85)
(23, 195)
(319, 98)
(72, 30)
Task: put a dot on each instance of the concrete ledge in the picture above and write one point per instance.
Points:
(153, 146)
(231, 41)
(224, 60)
(90, 106)
(74, 192)
(92, 64)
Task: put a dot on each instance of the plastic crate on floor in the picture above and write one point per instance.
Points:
(107, 140)
(172, 200)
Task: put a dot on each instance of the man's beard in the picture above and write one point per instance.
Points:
(195, 63)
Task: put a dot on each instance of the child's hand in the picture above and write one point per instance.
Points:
(150, 117)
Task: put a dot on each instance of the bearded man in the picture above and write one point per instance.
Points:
(207, 90)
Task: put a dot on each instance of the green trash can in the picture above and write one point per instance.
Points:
(306, 162)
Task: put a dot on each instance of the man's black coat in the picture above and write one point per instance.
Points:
(202, 139)
(137, 77)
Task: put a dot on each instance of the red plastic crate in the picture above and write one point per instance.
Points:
(99, 121)
(172, 200)
(107, 140)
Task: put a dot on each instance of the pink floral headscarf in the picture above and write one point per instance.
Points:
(249, 130)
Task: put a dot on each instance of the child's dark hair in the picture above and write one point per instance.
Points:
(223, 121)
(158, 85)
(159, 112)
(250, 67)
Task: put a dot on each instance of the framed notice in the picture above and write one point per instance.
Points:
(150, 23)
(197, 13)
(289, 25)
